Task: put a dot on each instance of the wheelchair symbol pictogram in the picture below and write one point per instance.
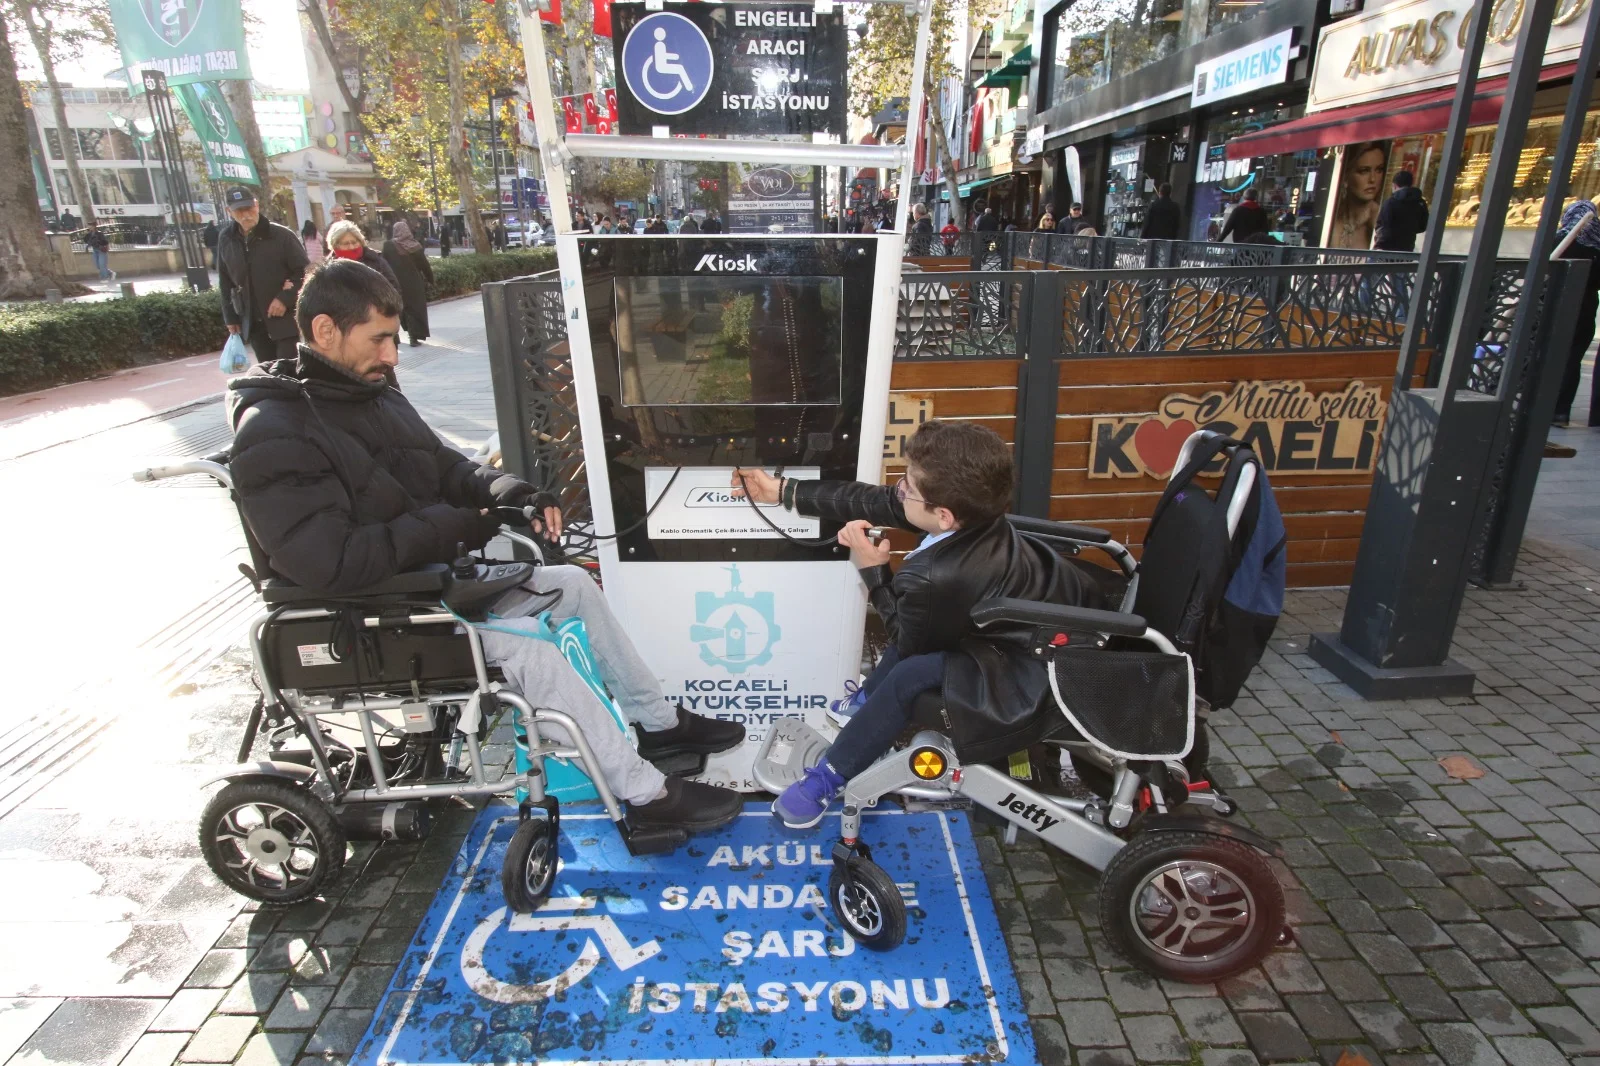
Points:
(667, 63)
(550, 918)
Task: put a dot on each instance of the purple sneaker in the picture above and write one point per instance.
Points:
(841, 711)
(803, 803)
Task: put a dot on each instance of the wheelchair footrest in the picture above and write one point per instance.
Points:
(790, 747)
(687, 764)
(652, 840)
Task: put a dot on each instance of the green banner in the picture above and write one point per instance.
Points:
(227, 159)
(187, 40)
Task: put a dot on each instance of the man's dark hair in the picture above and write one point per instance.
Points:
(1403, 180)
(347, 292)
(962, 466)
(1166, 189)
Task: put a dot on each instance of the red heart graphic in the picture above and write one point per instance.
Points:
(1158, 445)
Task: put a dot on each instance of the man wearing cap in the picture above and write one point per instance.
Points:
(260, 265)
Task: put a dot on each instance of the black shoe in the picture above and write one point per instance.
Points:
(689, 805)
(415, 342)
(693, 735)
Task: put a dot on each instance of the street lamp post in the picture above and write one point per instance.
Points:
(494, 154)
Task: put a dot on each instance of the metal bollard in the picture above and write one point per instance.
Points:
(127, 290)
(53, 296)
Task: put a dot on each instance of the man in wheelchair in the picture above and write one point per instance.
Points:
(344, 486)
(956, 489)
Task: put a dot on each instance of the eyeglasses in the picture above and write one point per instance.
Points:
(904, 494)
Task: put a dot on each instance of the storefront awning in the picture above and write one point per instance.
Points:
(1380, 120)
(1015, 68)
(970, 187)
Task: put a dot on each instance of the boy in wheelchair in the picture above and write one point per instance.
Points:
(956, 490)
(344, 486)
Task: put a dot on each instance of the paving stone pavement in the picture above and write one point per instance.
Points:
(1441, 915)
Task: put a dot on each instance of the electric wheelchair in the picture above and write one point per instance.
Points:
(1183, 894)
(373, 703)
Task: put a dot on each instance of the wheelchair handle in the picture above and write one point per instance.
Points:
(208, 466)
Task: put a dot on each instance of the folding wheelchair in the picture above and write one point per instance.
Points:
(1184, 894)
(373, 703)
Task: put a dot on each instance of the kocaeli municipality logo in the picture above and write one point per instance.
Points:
(667, 63)
(735, 630)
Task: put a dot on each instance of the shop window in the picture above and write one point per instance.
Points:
(1090, 42)
(93, 144)
(111, 186)
(1225, 12)
(1533, 171)
(52, 140)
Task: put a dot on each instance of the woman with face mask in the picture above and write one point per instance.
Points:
(346, 242)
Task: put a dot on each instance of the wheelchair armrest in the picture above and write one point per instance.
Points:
(426, 582)
(1053, 615)
(1043, 527)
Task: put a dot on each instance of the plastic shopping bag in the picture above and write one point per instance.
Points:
(235, 359)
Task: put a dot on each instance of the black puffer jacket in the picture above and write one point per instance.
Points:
(993, 688)
(342, 482)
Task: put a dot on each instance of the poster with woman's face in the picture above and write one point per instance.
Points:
(1356, 201)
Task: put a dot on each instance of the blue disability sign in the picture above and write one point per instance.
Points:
(724, 952)
(667, 63)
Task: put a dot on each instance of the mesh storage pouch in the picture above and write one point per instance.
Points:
(1135, 704)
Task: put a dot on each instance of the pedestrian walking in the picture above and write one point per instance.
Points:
(1246, 220)
(208, 237)
(1074, 223)
(1162, 219)
(444, 241)
(1047, 223)
(712, 224)
(921, 230)
(1585, 218)
(68, 222)
(1402, 216)
(949, 233)
(316, 251)
(689, 226)
(346, 241)
(100, 247)
(410, 263)
(260, 265)
(987, 222)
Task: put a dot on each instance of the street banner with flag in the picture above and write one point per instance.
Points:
(227, 159)
(602, 19)
(187, 40)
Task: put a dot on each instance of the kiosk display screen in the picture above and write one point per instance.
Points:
(724, 341)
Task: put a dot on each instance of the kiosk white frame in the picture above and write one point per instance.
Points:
(557, 149)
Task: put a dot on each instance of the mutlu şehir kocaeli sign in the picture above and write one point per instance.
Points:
(1291, 428)
(730, 69)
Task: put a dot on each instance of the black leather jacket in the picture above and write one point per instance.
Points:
(993, 687)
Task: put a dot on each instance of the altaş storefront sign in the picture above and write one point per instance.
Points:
(1244, 70)
(187, 40)
(1414, 45)
(1292, 429)
(730, 70)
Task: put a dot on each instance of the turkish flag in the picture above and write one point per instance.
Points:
(569, 107)
(602, 18)
(611, 106)
(554, 14)
(603, 127)
(591, 110)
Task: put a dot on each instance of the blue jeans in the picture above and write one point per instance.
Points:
(891, 688)
(101, 263)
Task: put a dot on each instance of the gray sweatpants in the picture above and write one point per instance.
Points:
(542, 674)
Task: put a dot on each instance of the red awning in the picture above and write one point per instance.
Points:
(1380, 120)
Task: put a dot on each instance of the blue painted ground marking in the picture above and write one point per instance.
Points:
(720, 953)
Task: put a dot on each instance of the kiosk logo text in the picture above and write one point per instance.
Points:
(667, 63)
(712, 261)
(735, 630)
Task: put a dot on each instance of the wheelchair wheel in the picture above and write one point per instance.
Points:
(867, 903)
(1191, 906)
(271, 841)
(530, 867)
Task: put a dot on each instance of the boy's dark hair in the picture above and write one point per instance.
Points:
(1166, 188)
(964, 467)
(1403, 179)
(347, 292)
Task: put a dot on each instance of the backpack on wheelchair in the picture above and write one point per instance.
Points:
(1183, 894)
(372, 703)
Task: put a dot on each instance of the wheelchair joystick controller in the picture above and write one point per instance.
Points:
(463, 568)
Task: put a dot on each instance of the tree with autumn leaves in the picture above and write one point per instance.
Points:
(881, 64)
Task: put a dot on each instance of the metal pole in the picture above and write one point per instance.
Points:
(1509, 517)
(494, 155)
(179, 196)
(1443, 187)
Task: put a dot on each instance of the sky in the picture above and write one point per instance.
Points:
(277, 58)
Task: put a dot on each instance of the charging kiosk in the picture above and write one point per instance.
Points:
(693, 356)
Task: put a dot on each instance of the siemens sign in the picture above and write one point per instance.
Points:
(1245, 70)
